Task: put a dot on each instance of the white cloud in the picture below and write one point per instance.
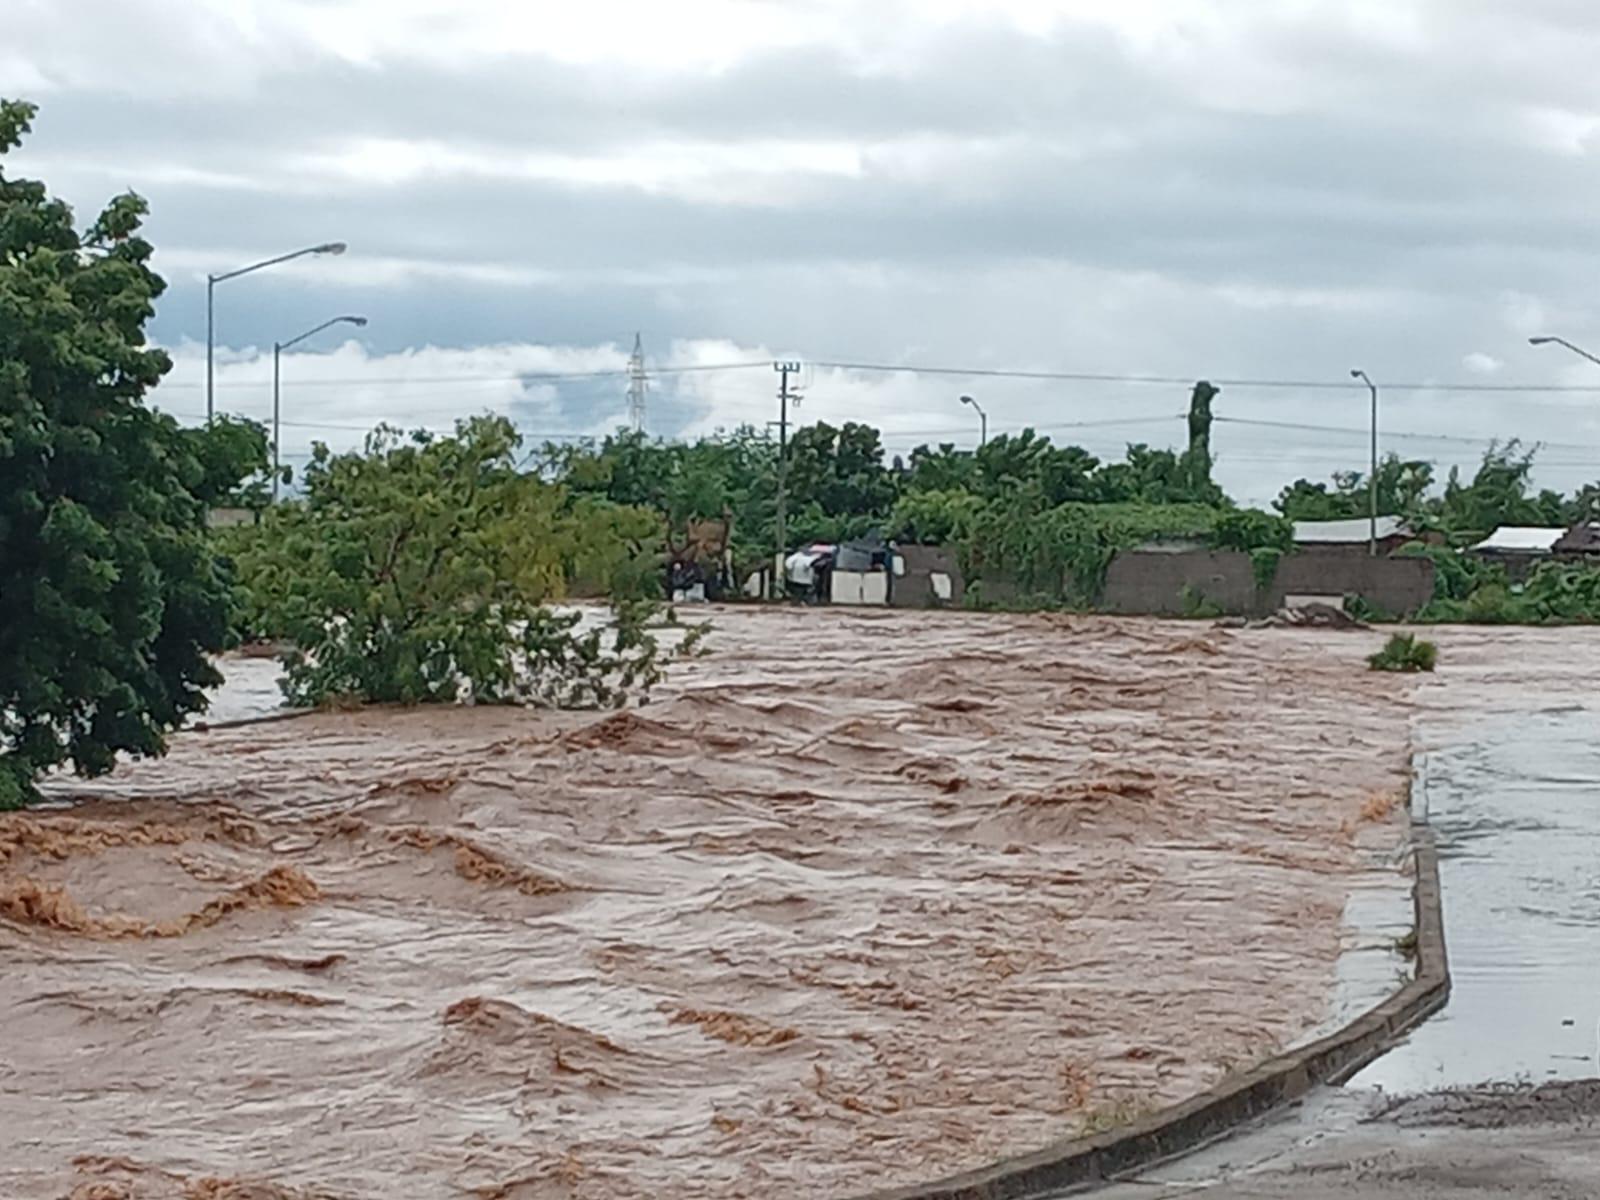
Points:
(1180, 188)
(710, 172)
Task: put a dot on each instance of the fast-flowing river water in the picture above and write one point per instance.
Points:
(861, 898)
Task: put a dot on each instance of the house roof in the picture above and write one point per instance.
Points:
(1523, 539)
(1356, 529)
(1583, 538)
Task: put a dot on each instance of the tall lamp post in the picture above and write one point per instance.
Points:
(983, 421)
(1578, 350)
(1372, 475)
(277, 350)
(211, 308)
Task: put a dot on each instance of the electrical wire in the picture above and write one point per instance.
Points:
(518, 377)
(523, 377)
(1187, 381)
(1383, 433)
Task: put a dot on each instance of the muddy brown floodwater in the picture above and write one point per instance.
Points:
(861, 899)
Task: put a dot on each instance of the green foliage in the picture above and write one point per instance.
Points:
(1157, 477)
(110, 597)
(1402, 489)
(1554, 594)
(943, 470)
(1197, 458)
(1498, 494)
(839, 471)
(811, 523)
(933, 518)
(1040, 523)
(1562, 593)
(693, 642)
(234, 454)
(417, 571)
(1198, 606)
(609, 549)
(1493, 604)
(1363, 610)
(728, 477)
(1264, 562)
(1404, 652)
(1251, 529)
(1063, 552)
(1455, 575)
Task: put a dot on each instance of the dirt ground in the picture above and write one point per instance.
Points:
(861, 899)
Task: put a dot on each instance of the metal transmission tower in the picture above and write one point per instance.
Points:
(637, 384)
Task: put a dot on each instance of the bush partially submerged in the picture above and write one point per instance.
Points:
(1405, 653)
(419, 572)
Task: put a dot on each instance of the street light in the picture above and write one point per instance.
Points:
(277, 349)
(1578, 350)
(1372, 475)
(211, 287)
(983, 419)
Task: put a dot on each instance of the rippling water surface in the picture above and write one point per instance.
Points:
(861, 898)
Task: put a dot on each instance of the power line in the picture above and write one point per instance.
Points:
(1386, 433)
(1187, 381)
(899, 368)
(404, 425)
(519, 377)
(1039, 428)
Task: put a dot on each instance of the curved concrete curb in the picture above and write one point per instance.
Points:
(1084, 1161)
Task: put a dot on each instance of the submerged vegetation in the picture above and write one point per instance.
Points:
(1405, 652)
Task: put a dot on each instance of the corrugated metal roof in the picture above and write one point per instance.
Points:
(1356, 529)
(1523, 539)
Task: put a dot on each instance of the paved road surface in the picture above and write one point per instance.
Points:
(1507, 1141)
(1508, 773)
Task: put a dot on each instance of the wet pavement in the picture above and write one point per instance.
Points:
(1508, 775)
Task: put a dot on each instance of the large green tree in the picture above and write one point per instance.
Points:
(110, 597)
(235, 462)
(838, 473)
(728, 476)
(1402, 490)
(1497, 495)
(418, 570)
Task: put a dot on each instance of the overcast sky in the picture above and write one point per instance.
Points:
(1274, 191)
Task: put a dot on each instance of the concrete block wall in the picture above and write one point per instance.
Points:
(1398, 586)
(916, 588)
(1154, 584)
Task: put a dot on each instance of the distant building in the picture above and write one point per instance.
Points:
(1352, 535)
(227, 518)
(1519, 548)
(1582, 540)
(1523, 541)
